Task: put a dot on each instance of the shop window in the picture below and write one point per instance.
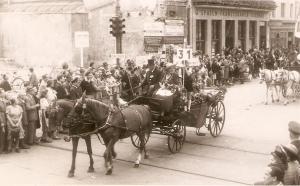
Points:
(200, 35)
(252, 33)
(229, 34)
(216, 36)
(274, 13)
(172, 13)
(242, 34)
(282, 9)
(291, 10)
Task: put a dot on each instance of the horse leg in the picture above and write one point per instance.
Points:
(74, 152)
(294, 90)
(90, 153)
(272, 93)
(113, 153)
(141, 149)
(277, 93)
(108, 155)
(267, 93)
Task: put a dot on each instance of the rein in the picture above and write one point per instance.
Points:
(94, 131)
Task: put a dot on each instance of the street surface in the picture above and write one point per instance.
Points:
(239, 156)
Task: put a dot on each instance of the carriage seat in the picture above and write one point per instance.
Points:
(163, 98)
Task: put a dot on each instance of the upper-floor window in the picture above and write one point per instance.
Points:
(291, 11)
(274, 13)
(282, 9)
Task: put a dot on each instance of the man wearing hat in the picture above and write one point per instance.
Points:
(32, 115)
(294, 130)
(153, 77)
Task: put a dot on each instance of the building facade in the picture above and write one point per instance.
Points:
(282, 23)
(36, 33)
(216, 25)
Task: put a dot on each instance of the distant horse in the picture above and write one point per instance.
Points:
(58, 112)
(120, 124)
(289, 80)
(269, 77)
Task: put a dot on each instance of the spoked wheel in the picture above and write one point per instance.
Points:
(135, 140)
(216, 119)
(17, 83)
(176, 140)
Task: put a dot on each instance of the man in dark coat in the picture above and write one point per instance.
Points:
(153, 77)
(5, 84)
(3, 103)
(33, 80)
(32, 115)
(294, 130)
(61, 89)
(75, 89)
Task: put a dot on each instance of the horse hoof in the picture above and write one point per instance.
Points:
(109, 172)
(266, 103)
(91, 169)
(71, 174)
(136, 165)
(114, 156)
(277, 100)
(146, 156)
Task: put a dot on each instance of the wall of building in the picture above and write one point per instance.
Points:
(282, 23)
(39, 39)
(103, 43)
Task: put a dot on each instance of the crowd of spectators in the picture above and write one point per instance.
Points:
(21, 114)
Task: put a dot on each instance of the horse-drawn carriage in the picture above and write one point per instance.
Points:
(297, 85)
(171, 119)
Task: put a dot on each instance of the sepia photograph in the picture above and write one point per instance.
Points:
(149, 92)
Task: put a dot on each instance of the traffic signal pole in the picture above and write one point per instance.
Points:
(118, 36)
(119, 44)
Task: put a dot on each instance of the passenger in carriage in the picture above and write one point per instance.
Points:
(152, 79)
(171, 79)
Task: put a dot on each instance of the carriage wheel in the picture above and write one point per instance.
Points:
(135, 140)
(176, 140)
(18, 83)
(216, 119)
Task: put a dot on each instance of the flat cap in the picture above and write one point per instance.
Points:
(294, 127)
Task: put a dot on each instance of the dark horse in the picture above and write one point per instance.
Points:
(115, 125)
(58, 112)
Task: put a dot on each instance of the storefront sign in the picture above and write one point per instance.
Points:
(230, 13)
(174, 28)
(154, 29)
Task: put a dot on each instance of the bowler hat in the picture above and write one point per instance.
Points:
(150, 62)
(294, 127)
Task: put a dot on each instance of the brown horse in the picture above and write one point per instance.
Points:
(120, 124)
(58, 112)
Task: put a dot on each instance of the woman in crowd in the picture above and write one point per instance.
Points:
(15, 131)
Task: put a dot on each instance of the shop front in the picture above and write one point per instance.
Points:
(282, 34)
(214, 28)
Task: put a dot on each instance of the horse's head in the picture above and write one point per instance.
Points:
(59, 110)
(97, 109)
(262, 75)
(280, 75)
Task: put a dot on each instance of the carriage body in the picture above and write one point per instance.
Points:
(297, 85)
(170, 116)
